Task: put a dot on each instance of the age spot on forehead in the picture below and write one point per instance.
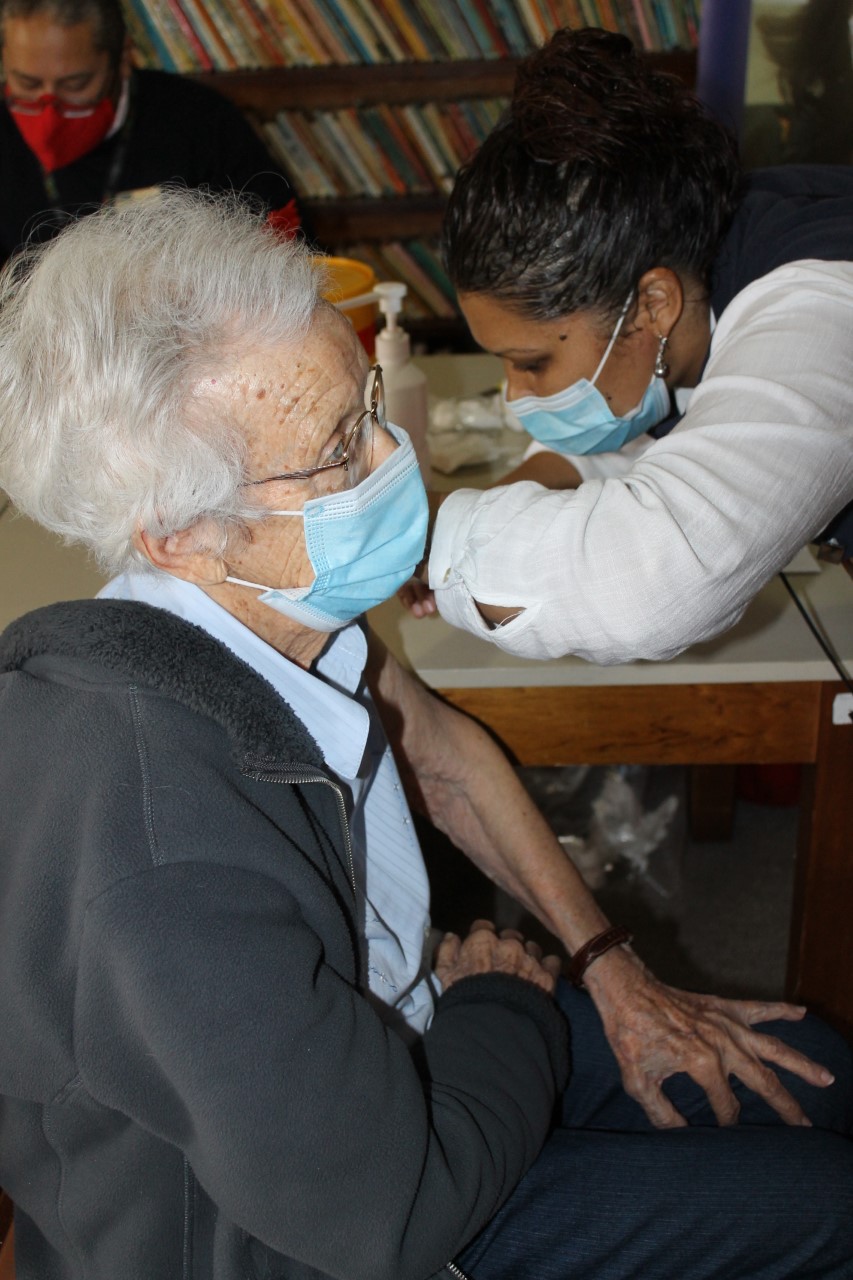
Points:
(261, 395)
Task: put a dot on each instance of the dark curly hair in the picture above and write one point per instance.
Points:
(603, 169)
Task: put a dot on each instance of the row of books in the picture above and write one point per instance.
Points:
(223, 35)
(418, 264)
(381, 150)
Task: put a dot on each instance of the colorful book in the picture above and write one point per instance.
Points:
(536, 33)
(428, 256)
(265, 37)
(509, 22)
(407, 269)
(377, 138)
(208, 33)
(314, 31)
(392, 47)
(147, 41)
(200, 55)
(439, 170)
(396, 127)
(238, 50)
(496, 40)
(359, 36)
(408, 13)
(363, 152)
(285, 143)
(645, 25)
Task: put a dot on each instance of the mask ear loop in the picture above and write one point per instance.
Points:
(614, 336)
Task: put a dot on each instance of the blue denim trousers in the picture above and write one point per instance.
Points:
(611, 1198)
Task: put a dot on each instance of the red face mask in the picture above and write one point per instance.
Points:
(58, 132)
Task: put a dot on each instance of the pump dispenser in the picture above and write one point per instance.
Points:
(406, 401)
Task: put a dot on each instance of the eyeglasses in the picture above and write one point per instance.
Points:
(35, 106)
(355, 451)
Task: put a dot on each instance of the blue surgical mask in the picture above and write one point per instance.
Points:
(363, 543)
(579, 419)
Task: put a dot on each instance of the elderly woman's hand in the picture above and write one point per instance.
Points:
(485, 950)
(657, 1031)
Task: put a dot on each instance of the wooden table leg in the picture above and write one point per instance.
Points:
(711, 800)
(820, 962)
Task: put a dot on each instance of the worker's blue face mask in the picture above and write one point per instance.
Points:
(363, 543)
(579, 419)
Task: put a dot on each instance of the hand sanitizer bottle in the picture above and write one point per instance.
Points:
(406, 400)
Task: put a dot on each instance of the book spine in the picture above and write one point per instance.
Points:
(337, 156)
(391, 47)
(315, 31)
(296, 157)
(170, 36)
(265, 38)
(147, 41)
(496, 39)
(422, 181)
(428, 256)
(398, 175)
(536, 33)
(363, 155)
(217, 48)
(238, 52)
(416, 278)
(643, 25)
(335, 33)
(359, 39)
(507, 17)
(443, 135)
(440, 171)
(432, 42)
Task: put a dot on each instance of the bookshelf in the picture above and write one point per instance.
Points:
(343, 221)
(372, 105)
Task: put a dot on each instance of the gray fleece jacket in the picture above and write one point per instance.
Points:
(191, 1084)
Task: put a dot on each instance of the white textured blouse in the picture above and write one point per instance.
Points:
(643, 560)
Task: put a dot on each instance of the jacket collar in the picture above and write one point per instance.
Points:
(150, 647)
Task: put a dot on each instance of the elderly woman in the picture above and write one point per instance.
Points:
(604, 245)
(225, 1053)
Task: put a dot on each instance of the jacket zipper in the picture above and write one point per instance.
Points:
(303, 776)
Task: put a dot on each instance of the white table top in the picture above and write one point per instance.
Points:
(770, 643)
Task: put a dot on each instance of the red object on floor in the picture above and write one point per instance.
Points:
(777, 784)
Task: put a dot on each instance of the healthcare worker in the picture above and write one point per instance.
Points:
(606, 246)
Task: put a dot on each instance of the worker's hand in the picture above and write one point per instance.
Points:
(417, 598)
(656, 1031)
(487, 951)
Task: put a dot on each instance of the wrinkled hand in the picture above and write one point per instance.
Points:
(656, 1031)
(486, 951)
(417, 597)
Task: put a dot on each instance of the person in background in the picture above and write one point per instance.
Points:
(606, 246)
(811, 44)
(80, 127)
(227, 1051)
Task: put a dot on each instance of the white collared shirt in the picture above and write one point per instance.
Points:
(337, 710)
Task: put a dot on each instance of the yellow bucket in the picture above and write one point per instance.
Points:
(348, 278)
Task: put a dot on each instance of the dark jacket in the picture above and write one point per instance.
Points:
(191, 1084)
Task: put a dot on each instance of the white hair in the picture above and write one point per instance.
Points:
(106, 335)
